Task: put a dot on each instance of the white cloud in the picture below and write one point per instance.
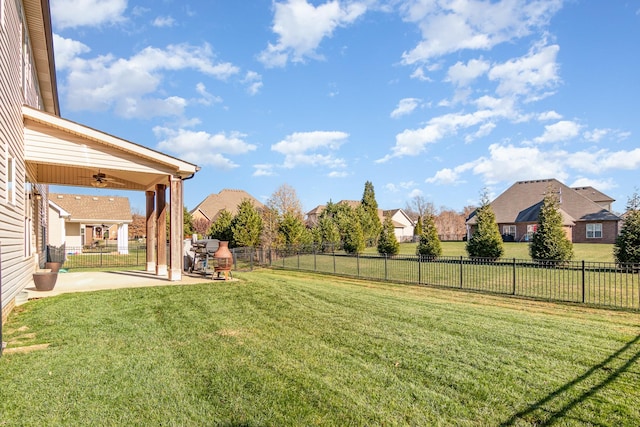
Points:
(549, 115)
(416, 192)
(129, 85)
(404, 185)
(405, 106)
(164, 21)
(596, 135)
(462, 74)
(600, 184)
(301, 27)
(264, 170)
(412, 142)
(561, 131)
(253, 81)
(507, 163)
(452, 26)
(445, 176)
(530, 76)
(67, 50)
(202, 147)
(206, 98)
(78, 13)
(604, 160)
(338, 174)
(301, 149)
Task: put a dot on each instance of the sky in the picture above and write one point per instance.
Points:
(442, 99)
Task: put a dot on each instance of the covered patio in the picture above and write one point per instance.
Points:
(62, 152)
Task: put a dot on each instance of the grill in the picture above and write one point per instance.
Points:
(203, 251)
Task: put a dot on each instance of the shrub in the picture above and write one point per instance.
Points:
(429, 244)
(387, 242)
(627, 246)
(486, 241)
(550, 242)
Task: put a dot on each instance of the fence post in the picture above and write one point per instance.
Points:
(419, 269)
(513, 289)
(385, 266)
(334, 262)
(583, 299)
(358, 264)
(298, 258)
(460, 271)
(315, 264)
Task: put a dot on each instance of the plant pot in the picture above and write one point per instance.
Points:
(54, 266)
(45, 280)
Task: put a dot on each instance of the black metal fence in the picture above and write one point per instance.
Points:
(108, 256)
(593, 283)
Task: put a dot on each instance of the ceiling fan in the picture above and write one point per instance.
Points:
(101, 180)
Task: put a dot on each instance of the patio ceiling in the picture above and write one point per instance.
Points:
(61, 152)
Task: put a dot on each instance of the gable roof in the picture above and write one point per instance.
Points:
(227, 199)
(84, 208)
(522, 201)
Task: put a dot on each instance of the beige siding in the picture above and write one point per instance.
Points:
(48, 146)
(17, 264)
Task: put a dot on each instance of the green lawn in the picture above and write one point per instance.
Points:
(582, 251)
(288, 349)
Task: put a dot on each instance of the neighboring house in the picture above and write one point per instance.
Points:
(403, 225)
(227, 199)
(38, 147)
(586, 212)
(80, 220)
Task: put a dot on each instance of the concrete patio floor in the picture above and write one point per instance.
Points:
(85, 281)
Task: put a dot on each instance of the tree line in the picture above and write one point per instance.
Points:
(353, 227)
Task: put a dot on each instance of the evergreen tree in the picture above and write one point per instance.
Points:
(627, 246)
(291, 229)
(328, 234)
(417, 230)
(550, 242)
(387, 242)
(246, 225)
(221, 228)
(486, 241)
(353, 240)
(369, 219)
(187, 220)
(429, 244)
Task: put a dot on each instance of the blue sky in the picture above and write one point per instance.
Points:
(435, 98)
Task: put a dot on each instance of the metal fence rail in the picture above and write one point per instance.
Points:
(594, 283)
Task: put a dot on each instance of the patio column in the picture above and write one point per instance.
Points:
(151, 231)
(123, 239)
(176, 241)
(161, 229)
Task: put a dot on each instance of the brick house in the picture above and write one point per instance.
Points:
(586, 212)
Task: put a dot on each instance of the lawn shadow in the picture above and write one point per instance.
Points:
(551, 416)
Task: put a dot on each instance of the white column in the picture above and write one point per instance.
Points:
(123, 239)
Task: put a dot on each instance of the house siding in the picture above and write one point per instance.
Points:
(18, 261)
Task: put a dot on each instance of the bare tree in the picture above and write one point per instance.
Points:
(201, 226)
(138, 226)
(419, 207)
(285, 200)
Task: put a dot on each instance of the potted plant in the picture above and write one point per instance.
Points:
(45, 279)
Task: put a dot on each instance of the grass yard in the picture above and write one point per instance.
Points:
(582, 251)
(287, 349)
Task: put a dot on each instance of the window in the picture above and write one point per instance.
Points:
(594, 231)
(11, 181)
(509, 230)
